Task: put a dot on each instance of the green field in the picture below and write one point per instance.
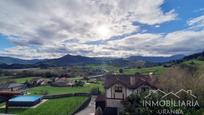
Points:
(18, 80)
(195, 62)
(156, 70)
(61, 106)
(60, 90)
(23, 80)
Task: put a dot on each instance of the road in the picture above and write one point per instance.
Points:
(90, 109)
(95, 76)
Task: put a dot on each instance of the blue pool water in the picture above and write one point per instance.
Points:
(25, 98)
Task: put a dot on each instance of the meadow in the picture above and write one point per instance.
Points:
(39, 90)
(156, 70)
(23, 80)
(60, 90)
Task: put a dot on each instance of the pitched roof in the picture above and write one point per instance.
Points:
(110, 80)
(10, 85)
(3, 86)
(8, 94)
(100, 98)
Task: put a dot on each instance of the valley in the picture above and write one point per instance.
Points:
(83, 74)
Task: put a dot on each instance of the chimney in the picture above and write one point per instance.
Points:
(132, 80)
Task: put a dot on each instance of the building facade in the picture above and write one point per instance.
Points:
(118, 87)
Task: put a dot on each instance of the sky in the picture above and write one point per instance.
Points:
(39, 29)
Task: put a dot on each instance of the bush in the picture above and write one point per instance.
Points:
(79, 83)
(95, 91)
(201, 58)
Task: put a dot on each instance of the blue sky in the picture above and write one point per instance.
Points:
(109, 28)
(186, 10)
(5, 43)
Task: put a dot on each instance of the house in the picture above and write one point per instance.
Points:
(118, 87)
(39, 81)
(100, 102)
(12, 87)
(63, 82)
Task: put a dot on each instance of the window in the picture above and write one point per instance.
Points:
(118, 89)
(144, 89)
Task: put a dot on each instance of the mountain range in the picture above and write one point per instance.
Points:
(156, 59)
(11, 60)
(77, 59)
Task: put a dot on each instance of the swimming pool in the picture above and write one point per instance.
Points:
(25, 100)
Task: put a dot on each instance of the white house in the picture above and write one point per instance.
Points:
(118, 87)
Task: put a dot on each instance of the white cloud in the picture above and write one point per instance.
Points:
(199, 10)
(196, 22)
(179, 42)
(25, 52)
(52, 28)
(79, 19)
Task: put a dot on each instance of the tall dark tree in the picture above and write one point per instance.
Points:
(121, 70)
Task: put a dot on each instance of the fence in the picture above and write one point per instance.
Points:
(82, 106)
(65, 95)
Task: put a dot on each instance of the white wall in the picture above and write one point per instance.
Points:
(113, 103)
(111, 91)
(129, 92)
(108, 93)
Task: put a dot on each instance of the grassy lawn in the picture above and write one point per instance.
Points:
(196, 61)
(22, 80)
(61, 106)
(18, 80)
(1, 104)
(5, 77)
(105, 67)
(60, 90)
(155, 70)
(13, 110)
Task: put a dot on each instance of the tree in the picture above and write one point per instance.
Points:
(79, 83)
(201, 58)
(133, 105)
(121, 70)
(137, 73)
(86, 78)
(1, 72)
(139, 67)
(188, 77)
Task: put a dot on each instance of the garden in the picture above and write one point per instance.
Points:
(61, 106)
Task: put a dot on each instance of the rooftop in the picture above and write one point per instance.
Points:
(125, 80)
